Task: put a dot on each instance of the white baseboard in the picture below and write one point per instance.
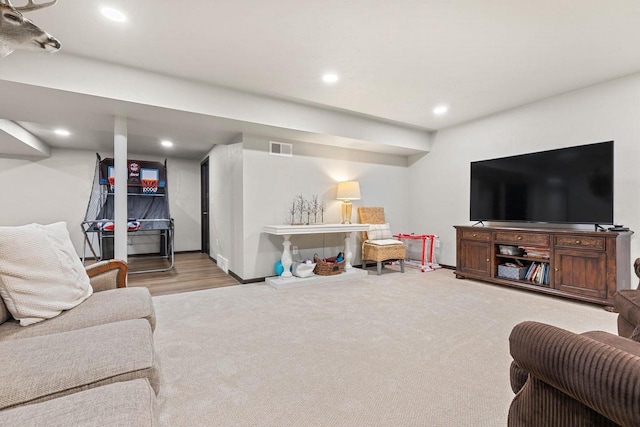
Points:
(223, 263)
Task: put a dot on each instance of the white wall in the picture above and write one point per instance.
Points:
(610, 111)
(47, 190)
(225, 204)
(271, 182)
(58, 188)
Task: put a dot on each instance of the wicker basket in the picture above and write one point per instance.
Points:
(327, 268)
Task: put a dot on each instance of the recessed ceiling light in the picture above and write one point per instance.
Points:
(166, 143)
(440, 109)
(113, 14)
(330, 78)
(62, 132)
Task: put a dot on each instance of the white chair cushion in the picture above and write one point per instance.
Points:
(40, 273)
(385, 242)
(379, 231)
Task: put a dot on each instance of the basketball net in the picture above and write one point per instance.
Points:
(149, 186)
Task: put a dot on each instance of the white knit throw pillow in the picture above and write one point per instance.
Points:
(40, 272)
(379, 231)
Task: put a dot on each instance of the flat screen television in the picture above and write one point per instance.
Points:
(567, 185)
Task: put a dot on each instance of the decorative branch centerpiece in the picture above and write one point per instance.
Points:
(304, 212)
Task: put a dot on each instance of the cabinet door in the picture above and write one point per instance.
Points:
(581, 272)
(475, 257)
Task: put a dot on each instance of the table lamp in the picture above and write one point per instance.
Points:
(348, 191)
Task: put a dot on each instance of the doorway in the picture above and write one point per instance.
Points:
(204, 207)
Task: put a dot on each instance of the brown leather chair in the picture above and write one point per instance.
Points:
(627, 303)
(592, 379)
(563, 379)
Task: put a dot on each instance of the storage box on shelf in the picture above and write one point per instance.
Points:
(585, 265)
(511, 272)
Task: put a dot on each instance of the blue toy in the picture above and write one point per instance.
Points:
(280, 268)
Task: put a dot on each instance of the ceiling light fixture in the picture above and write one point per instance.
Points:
(330, 78)
(113, 14)
(62, 132)
(166, 143)
(440, 109)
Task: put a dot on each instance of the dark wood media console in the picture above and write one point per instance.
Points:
(583, 265)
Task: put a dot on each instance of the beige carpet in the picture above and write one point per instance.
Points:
(419, 349)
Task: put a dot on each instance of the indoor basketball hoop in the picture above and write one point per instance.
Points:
(149, 186)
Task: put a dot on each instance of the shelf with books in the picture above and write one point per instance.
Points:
(535, 272)
(527, 251)
(538, 273)
(538, 252)
(525, 263)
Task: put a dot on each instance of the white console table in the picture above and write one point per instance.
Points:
(286, 231)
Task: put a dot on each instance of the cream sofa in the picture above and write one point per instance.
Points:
(91, 365)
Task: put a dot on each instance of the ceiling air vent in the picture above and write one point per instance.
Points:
(280, 149)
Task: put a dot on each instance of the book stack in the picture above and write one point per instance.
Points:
(536, 252)
(538, 273)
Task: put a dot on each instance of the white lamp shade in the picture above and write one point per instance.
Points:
(348, 190)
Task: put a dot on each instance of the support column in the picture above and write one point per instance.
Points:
(120, 191)
(348, 255)
(286, 258)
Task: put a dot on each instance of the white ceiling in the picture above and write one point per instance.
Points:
(396, 60)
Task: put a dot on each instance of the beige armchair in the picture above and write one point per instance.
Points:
(79, 349)
(112, 301)
(381, 248)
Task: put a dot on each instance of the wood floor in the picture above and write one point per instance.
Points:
(191, 272)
